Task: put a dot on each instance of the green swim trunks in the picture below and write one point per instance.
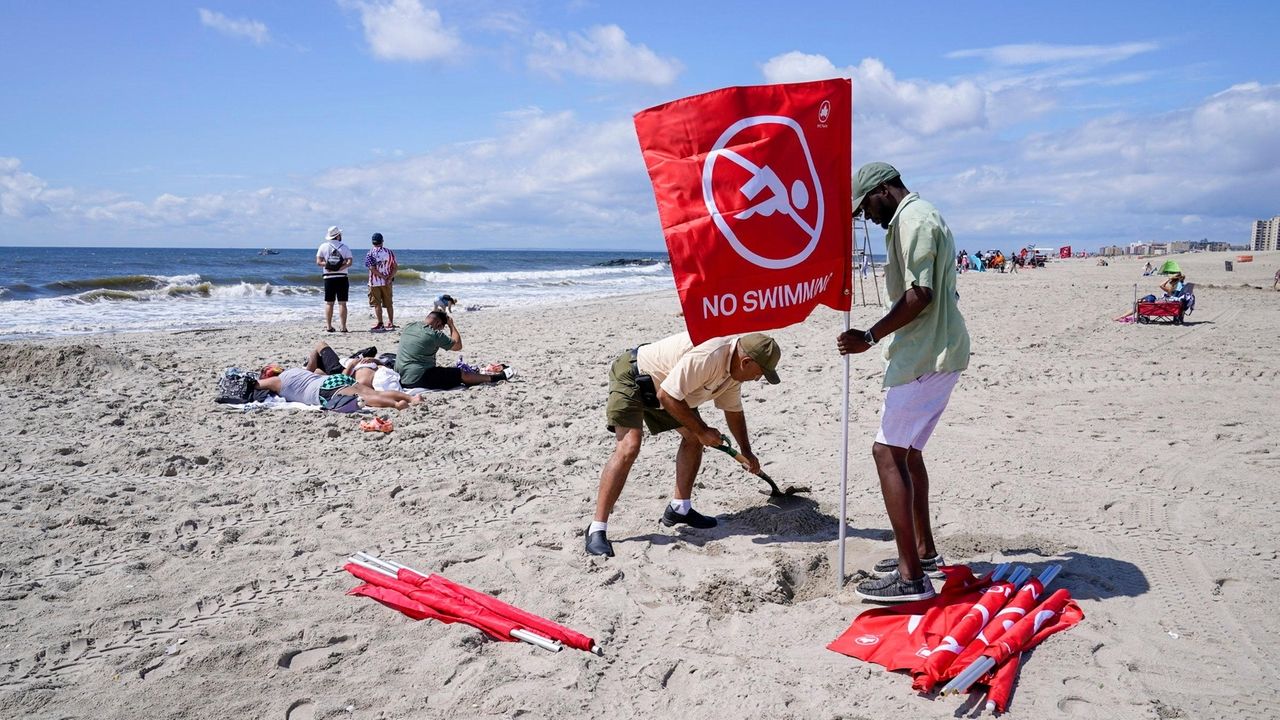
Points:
(624, 407)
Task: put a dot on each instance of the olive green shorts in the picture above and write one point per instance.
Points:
(625, 408)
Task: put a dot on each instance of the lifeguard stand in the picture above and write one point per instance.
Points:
(863, 265)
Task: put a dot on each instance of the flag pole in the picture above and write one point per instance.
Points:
(844, 461)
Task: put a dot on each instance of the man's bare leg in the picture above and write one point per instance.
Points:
(895, 487)
(920, 503)
(328, 316)
(688, 462)
(614, 475)
(342, 312)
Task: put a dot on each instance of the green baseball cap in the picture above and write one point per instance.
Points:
(868, 178)
(765, 352)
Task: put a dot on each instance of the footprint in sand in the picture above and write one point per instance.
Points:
(1076, 706)
(302, 709)
(311, 657)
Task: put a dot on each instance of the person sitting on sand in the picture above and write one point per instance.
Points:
(1174, 286)
(1149, 269)
(322, 382)
(416, 356)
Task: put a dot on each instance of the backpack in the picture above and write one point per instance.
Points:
(236, 387)
(334, 261)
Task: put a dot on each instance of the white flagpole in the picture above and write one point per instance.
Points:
(844, 461)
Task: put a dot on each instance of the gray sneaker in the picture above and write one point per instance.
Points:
(893, 589)
(929, 564)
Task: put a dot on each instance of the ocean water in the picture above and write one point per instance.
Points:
(61, 291)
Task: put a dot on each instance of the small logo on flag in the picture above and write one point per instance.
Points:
(824, 111)
(867, 639)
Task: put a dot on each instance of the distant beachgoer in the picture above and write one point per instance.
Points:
(661, 385)
(335, 257)
(1012, 262)
(322, 382)
(1149, 269)
(1174, 286)
(1275, 284)
(416, 356)
(923, 360)
(381, 264)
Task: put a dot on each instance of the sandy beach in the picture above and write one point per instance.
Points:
(163, 558)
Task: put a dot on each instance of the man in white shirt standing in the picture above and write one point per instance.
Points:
(334, 257)
(381, 263)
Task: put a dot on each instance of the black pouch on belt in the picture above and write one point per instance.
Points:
(648, 392)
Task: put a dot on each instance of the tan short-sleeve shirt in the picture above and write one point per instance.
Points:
(694, 374)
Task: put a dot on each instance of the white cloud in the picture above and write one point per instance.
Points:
(548, 175)
(1042, 54)
(918, 107)
(22, 195)
(252, 30)
(603, 53)
(405, 30)
(546, 178)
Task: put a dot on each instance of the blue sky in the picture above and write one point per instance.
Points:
(508, 124)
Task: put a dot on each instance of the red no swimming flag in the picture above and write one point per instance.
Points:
(753, 191)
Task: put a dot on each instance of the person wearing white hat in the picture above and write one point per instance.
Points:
(334, 257)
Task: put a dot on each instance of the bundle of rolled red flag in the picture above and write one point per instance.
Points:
(973, 631)
(433, 596)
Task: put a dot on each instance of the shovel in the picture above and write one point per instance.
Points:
(727, 448)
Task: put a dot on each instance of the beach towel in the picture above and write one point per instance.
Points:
(272, 402)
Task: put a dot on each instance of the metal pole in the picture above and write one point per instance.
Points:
(844, 462)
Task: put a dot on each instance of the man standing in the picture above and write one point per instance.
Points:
(416, 356)
(334, 257)
(661, 385)
(923, 361)
(381, 264)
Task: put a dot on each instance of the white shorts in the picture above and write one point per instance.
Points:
(911, 411)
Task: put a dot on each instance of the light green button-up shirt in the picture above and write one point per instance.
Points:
(922, 251)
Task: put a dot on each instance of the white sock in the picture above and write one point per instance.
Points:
(597, 526)
(681, 507)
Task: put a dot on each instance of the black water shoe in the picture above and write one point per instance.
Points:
(598, 544)
(693, 519)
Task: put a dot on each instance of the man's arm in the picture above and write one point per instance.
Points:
(903, 313)
(737, 421)
(454, 334)
(681, 411)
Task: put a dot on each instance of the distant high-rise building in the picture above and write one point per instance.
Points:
(1266, 234)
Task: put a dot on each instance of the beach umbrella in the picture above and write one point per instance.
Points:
(1057, 613)
(897, 637)
(964, 631)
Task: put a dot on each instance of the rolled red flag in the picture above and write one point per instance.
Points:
(942, 655)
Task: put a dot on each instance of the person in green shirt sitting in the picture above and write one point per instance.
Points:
(416, 356)
(926, 348)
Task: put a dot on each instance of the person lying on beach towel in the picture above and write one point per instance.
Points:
(322, 382)
(416, 357)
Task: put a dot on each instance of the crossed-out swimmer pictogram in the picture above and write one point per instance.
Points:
(780, 199)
